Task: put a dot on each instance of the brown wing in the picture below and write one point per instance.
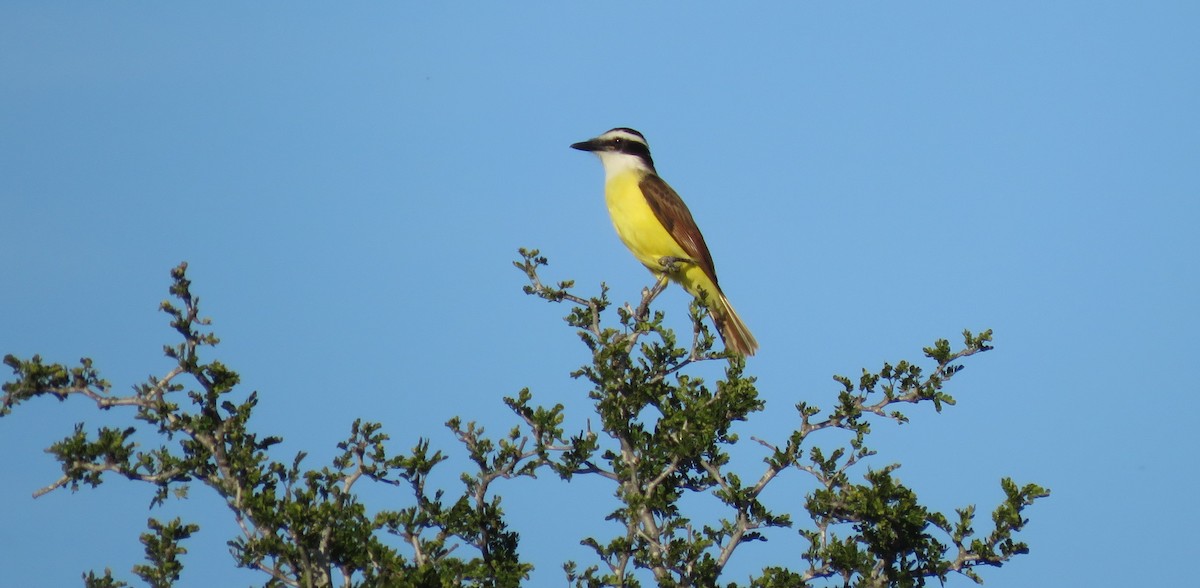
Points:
(674, 214)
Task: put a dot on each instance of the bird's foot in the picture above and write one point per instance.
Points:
(670, 263)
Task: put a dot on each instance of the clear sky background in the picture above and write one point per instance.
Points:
(349, 185)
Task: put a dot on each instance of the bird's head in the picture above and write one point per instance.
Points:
(620, 149)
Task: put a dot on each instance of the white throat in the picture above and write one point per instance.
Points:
(616, 164)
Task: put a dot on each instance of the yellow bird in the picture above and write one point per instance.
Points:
(658, 228)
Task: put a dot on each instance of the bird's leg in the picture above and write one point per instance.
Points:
(670, 263)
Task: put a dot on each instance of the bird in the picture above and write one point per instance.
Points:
(657, 227)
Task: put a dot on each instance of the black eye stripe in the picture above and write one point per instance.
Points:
(631, 147)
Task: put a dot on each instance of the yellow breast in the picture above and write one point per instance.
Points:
(636, 222)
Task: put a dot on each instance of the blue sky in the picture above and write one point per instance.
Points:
(350, 184)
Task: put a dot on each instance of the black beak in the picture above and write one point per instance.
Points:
(589, 145)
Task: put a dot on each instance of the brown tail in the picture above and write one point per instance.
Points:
(733, 331)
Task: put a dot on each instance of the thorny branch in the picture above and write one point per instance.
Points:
(902, 383)
(676, 446)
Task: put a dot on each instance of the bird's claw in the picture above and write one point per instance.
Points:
(670, 263)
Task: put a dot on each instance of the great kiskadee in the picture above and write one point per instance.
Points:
(658, 229)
